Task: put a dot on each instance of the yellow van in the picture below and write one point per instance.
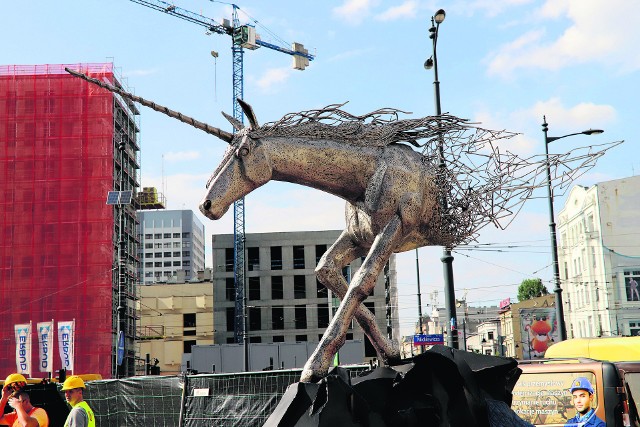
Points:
(614, 349)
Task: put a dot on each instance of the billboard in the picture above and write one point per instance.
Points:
(539, 330)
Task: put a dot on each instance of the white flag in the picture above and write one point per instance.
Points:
(65, 342)
(45, 340)
(23, 348)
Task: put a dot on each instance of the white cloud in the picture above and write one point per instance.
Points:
(354, 11)
(408, 9)
(488, 7)
(350, 54)
(179, 156)
(611, 40)
(272, 78)
(140, 73)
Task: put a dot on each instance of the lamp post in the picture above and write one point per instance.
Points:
(552, 225)
(447, 258)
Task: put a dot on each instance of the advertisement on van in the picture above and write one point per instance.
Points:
(557, 399)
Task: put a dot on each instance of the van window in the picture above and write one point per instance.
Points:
(544, 398)
(633, 381)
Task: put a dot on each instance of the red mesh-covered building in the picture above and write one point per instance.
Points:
(64, 144)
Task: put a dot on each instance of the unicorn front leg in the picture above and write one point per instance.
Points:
(329, 273)
(361, 285)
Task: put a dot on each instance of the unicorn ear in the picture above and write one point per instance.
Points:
(248, 111)
(237, 124)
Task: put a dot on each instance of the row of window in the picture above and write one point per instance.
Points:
(166, 264)
(184, 235)
(253, 257)
(278, 320)
(160, 274)
(280, 338)
(167, 254)
(167, 245)
(277, 288)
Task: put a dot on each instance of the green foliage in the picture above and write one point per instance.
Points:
(531, 288)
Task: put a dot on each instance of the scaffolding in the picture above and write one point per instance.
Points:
(64, 253)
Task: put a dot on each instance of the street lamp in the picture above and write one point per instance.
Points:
(447, 258)
(552, 225)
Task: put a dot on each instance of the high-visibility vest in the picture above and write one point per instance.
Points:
(88, 411)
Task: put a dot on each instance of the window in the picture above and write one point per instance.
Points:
(255, 339)
(157, 245)
(176, 263)
(228, 259)
(176, 254)
(186, 263)
(167, 235)
(369, 349)
(276, 257)
(321, 291)
(188, 345)
(300, 317)
(189, 333)
(253, 261)
(148, 245)
(148, 264)
(157, 255)
(277, 291)
(148, 255)
(349, 336)
(188, 254)
(167, 254)
(277, 317)
(255, 321)
(167, 264)
(278, 338)
(298, 257)
(254, 288)
(186, 235)
(157, 236)
(177, 245)
(176, 235)
(166, 245)
(346, 273)
(148, 236)
(301, 338)
(231, 319)
(320, 250)
(299, 287)
(158, 264)
(490, 335)
(230, 289)
(323, 315)
(371, 306)
(189, 320)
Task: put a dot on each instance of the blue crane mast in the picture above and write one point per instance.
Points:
(242, 36)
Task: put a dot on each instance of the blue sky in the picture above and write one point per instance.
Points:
(504, 63)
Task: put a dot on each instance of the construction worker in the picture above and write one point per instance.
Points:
(81, 414)
(582, 394)
(24, 413)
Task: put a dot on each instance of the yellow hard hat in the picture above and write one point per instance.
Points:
(72, 382)
(15, 378)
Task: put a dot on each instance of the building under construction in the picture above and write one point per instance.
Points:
(66, 252)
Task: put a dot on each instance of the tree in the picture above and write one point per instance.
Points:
(531, 288)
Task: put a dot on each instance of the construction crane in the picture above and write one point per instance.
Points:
(243, 37)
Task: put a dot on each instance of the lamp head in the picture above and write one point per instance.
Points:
(593, 132)
(439, 16)
(428, 64)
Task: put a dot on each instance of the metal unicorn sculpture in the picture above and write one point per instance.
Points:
(397, 198)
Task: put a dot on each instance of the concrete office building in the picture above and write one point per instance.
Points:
(599, 259)
(170, 240)
(285, 302)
